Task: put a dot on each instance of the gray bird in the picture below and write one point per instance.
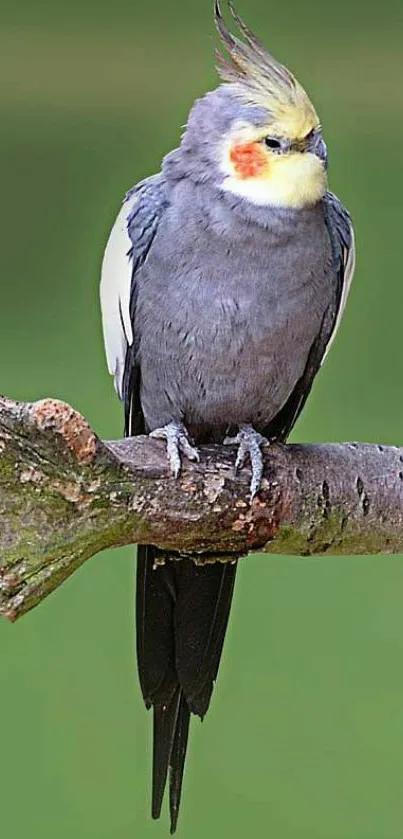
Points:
(223, 283)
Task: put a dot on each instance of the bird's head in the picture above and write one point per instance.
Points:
(259, 129)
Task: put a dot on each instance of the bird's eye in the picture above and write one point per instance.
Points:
(272, 143)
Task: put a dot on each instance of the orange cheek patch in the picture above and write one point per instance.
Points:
(249, 160)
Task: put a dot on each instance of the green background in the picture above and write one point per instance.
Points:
(304, 739)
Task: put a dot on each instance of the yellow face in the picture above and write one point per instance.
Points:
(285, 174)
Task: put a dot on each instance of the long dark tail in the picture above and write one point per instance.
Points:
(182, 615)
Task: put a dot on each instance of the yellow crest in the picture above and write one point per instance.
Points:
(263, 81)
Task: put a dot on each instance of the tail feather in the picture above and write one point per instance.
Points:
(182, 615)
(201, 621)
(155, 597)
(177, 760)
(164, 735)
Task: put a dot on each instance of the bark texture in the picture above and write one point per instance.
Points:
(65, 496)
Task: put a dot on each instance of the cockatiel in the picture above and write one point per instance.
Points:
(223, 283)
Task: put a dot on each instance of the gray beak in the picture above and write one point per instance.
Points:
(318, 147)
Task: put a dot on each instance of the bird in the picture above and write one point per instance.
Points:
(223, 284)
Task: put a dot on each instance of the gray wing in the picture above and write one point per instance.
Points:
(128, 245)
(341, 235)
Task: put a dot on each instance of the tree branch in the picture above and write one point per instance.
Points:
(65, 496)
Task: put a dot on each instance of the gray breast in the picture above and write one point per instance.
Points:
(227, 312)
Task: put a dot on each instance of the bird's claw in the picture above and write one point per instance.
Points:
(249, 444)
(178, 443)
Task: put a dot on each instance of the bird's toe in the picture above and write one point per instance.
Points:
(178, 443)
(186, 447)
(250, 444)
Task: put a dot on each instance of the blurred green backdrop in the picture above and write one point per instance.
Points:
(304, 739)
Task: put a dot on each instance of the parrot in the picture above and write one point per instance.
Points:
(223, 284)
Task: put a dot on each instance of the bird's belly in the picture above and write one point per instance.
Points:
(235, 360)
(243, 380)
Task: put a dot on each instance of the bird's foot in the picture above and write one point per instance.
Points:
(249, 443)
(178, 444)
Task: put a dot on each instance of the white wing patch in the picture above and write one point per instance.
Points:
(115, 287)
(349, 268)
